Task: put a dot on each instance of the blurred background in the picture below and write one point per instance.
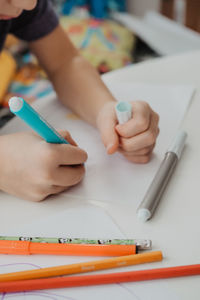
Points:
(110, 34)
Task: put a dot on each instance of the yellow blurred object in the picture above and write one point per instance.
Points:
(11, 41)
(7, 71)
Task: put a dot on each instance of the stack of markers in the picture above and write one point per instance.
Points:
(47, 278)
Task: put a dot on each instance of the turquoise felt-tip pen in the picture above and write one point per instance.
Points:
(24, 111)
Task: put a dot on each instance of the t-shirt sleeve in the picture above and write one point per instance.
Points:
(35, 24)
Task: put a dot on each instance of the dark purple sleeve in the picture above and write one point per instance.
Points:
(35, 24)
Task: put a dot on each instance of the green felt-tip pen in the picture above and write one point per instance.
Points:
(142, 244)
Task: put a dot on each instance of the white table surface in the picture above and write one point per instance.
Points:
(175, 227)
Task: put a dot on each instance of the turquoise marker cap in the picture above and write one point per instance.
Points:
(123, 111)
(24, 111)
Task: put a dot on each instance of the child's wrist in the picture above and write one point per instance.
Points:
(104, 111)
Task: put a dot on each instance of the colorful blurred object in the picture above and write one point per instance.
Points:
(104, 43)
(98, 9)
(29, 83)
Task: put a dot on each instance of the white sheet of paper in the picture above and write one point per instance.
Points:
(83, 221)
(111, 178)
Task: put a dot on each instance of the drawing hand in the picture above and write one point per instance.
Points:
(32, 169)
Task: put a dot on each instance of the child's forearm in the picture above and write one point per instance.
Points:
(76, 82)
(80, 87)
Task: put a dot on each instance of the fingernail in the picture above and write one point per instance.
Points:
(109, 147)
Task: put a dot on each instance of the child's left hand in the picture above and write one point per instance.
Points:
(134, 139)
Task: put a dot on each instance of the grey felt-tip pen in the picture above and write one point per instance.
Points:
(156, 189)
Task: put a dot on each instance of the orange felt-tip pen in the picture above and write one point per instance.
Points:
(82, 267)
(27, 248)
(88, 280)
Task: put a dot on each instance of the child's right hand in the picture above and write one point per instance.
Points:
(32, 169)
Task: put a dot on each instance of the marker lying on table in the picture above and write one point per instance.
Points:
(142, 244)
(24, 111)
(109, 263)
(27, 248)
(156, 189)
(88, 280)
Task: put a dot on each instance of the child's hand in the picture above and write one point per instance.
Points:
(134, 139)
(32, 169)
